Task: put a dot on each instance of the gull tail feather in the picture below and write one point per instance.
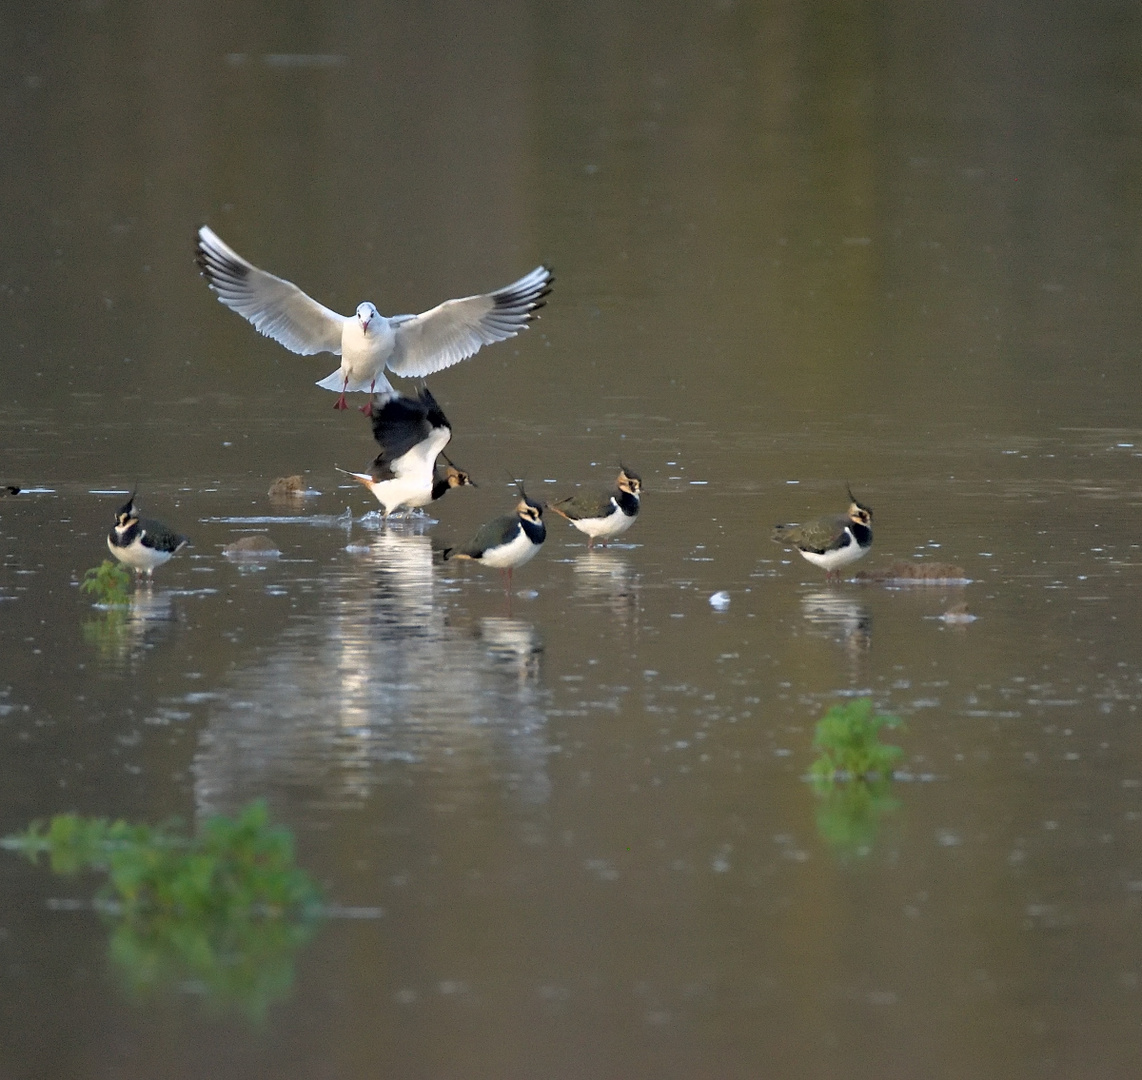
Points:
(336, 382)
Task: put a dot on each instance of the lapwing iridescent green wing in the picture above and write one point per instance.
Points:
(412, 434)
(142, 543)
(603, 515)
(368, 342)
(831, 542)
(506, 542)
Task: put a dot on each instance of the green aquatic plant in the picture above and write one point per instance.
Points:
(109, 633)
(853, 774)
(848, 738)
(108, 583)
(224, 910)
(848, 815)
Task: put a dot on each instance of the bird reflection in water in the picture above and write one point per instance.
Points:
(376, 684)
(122, 635)
(839, 617)
(605, 579)
(514, 645)
(403, 589)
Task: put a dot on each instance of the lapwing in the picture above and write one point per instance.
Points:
(831, 542)
(603, 515)
(412, 434)
(507, 542)
(142, 543)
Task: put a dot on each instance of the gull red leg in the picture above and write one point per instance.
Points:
(340, 403)
(367, 408)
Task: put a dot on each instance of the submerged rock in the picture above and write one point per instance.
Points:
(914, 573)
(958, 613)
(288, 487)
(255, 546)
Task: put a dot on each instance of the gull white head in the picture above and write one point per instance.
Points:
(366, 312)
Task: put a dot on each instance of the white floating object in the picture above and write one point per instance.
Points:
(720, 600)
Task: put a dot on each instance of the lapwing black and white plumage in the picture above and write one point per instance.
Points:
(507, 542)
(142, 543)
(412, 434)
(367, 341)
(603, 515)
(831, 542)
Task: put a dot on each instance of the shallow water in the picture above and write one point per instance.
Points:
(794, 250)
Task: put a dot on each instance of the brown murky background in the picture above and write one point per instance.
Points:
(895, 245)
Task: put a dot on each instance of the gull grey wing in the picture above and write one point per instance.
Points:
(276, 307)
(457, 329)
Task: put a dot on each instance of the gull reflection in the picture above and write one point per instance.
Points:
(379, 685)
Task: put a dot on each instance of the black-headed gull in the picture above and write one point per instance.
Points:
(368, 342)
(412, 434)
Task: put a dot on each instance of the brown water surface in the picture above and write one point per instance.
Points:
(893, 246)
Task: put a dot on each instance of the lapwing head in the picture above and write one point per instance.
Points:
(456, 477)
(126, 515)
(528, 509)
(366, 313)
(629, 481)
(862, 515)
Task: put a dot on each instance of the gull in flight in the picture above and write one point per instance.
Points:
(367, 342)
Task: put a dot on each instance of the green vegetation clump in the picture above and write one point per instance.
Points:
(848, 816)
(853, 775)
(848, 738)
(223, 911)
(108, 583)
